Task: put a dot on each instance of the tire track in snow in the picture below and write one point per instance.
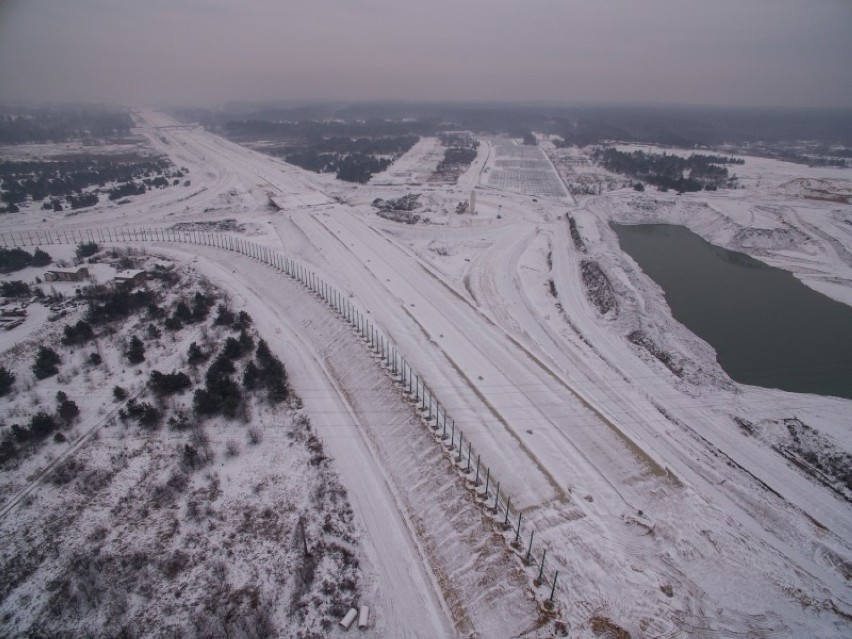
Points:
(655, 467)
(558, 492)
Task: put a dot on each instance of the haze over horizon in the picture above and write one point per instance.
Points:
(781, 53)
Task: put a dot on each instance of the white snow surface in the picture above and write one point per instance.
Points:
(414, 167)
(659, 512)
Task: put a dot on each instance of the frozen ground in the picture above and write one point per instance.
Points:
(663, 514)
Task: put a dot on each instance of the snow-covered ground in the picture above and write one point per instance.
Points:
(662, 514)
(415, 167)
(522, 169)
(111, 528)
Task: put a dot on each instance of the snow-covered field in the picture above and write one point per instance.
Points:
(523, 169)
(663, 514)
(415, 167)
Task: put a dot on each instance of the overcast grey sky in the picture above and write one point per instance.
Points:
(732, 52)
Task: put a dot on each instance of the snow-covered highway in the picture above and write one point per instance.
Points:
(656, 510)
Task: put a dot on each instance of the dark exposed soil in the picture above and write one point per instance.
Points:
(641, 339)
(598, 288)
(575, 235)
(606, 628)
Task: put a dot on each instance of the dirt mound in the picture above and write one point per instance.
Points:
(817, 189)
(598, 287)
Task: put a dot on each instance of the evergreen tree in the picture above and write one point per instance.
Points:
(195, 355)
(224, 316)
(135, 351)
(46, 363)
(243, 321)
(80, 333)
(232, 349)
(7, 378)
(86, 249)
(251, 376)
(41, 258)
(68, 410)
(183, 313)
(169, 383)
(42, 424)
(14, 288)
(246, 342)
(263, 354)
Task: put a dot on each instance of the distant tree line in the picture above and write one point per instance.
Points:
(40, 180)
(27, 126)
(459, 155)
(577, 124)
(385, 145)
(584, 132)
(350, 159)
(809, 154)
(456, 159)
(697, 127)
(352, 167)
(82, 201)
(126, 189)
(310, 160)
(692, 173)
(360, 168)
(311, 131)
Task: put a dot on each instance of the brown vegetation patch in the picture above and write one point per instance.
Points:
(604, 627)
(598, 287)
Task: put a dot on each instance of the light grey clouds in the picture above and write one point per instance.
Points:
(765, 52)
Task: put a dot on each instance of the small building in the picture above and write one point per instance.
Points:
(66, 275)
(131, 278)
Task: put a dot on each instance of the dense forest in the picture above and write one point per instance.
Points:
(353, 150)
(15, 259)
(350, 159)
(352, 167)
(456, 159)
(42, 125)
(51, 180)
(460, 152)
(693, 173)
(311, 132)
(370, 146)
(573, 124)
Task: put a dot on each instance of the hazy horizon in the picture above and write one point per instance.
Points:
(764, 53)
